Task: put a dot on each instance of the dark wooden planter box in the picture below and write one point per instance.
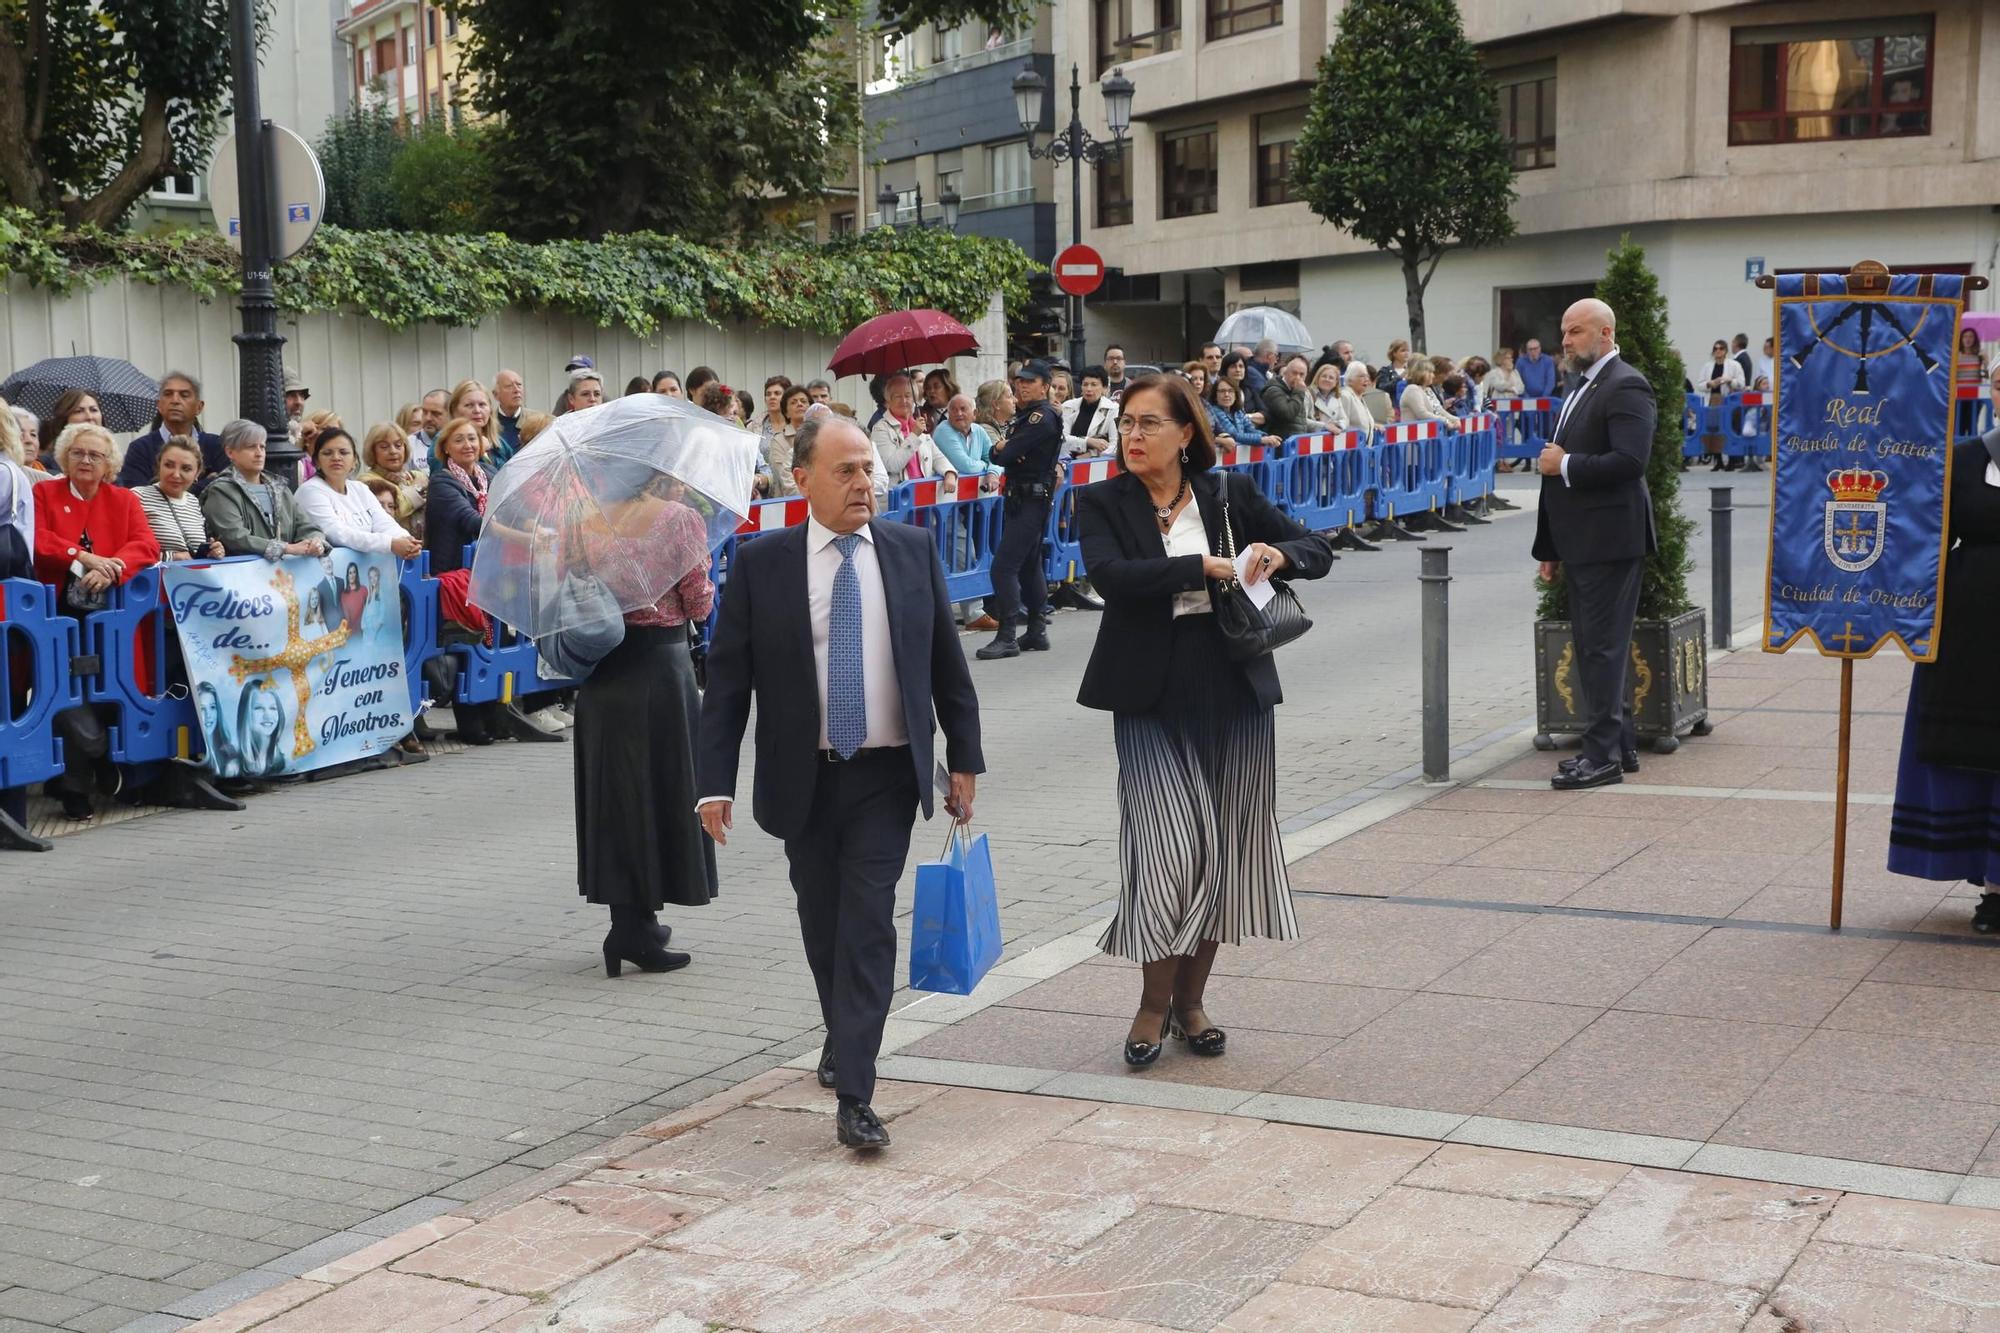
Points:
(1668, 679)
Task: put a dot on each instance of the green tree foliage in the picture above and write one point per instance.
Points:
(1401, 144)
(441, 180)
(100, 100)
(638, 280)
(1632, 291)
(622, 117)
(357, 152)
(648, 117)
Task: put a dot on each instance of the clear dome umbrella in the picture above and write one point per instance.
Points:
(1253, 324)
(607, 510)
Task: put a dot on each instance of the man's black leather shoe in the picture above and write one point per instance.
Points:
(1586, 774)
(825, 1070)
(856, 1126)
(1629, 760)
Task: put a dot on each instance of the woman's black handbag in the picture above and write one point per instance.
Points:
(1249, 630)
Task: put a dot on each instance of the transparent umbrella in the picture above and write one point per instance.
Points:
(607, 510)
(1253, 324)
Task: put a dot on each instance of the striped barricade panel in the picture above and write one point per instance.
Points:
(1062, 546)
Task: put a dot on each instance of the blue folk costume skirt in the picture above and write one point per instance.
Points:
(1946, 824)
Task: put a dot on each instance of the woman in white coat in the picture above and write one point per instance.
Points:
(343, 509)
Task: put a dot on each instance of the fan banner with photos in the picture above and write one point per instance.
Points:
(1861, 463)
(293, 665)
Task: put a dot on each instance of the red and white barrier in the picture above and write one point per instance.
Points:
(773, 515)
(1409, 432)
(1086, 471)
(1522, 404)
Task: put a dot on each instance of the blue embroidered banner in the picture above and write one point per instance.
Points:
(1861, 462)
(294, 665)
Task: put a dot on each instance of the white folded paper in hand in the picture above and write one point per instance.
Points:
(1261, 591)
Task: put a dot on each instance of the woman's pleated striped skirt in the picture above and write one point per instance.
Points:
(1199, 853)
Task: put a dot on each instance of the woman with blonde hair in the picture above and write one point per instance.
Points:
(385, 458)
(17, 501)
(1420, 401)
(471, 402)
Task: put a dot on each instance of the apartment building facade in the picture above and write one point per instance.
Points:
(940, 118)
(1728, 138)
(405, 55)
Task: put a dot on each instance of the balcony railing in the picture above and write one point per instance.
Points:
(1013, 50)
(980, 203)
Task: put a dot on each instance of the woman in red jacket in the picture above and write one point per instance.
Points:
(89, 536)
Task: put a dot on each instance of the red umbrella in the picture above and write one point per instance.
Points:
(899, 340)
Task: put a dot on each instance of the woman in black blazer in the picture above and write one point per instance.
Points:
(1198, 846)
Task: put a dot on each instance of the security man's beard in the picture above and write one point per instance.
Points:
(1582, 361)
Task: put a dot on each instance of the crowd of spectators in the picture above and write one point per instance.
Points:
(85, 512)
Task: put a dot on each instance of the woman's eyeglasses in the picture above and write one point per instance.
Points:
(1142, 426)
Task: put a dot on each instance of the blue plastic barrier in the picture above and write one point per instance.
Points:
(1524, 425)
(1979, 416)
(420, 625)
(153, 715)
(1410, 473)
(501, 669)
(964, 524)
(36, 645)
(1063, 547)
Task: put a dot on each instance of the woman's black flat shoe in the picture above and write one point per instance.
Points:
(1139, 1054)
(1209, 1041)
(1986, 916)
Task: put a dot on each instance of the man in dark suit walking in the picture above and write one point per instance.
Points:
(1595, 529)
(841, 630)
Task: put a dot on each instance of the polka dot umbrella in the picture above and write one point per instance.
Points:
(899, 340)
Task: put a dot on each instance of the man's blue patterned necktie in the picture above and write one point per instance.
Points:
(846, 682)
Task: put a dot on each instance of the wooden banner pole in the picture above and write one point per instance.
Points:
(1840, 790)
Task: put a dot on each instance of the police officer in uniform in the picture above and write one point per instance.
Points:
(1034, 439)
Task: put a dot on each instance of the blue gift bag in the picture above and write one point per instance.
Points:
(955, 929)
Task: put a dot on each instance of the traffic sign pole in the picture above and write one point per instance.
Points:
(261, 382)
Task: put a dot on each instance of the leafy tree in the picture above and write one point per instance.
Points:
(100, 100)
(357, 153)
(1632, 291)
(622, 117)
(1401, 144)
(441, 180)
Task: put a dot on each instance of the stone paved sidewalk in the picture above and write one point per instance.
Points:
(1001, 1212)
(1541, 1062)
(1641, 972)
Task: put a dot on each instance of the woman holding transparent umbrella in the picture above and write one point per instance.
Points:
(596, 543)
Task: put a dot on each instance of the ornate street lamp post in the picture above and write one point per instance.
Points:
(888, 201)
(1074, 144)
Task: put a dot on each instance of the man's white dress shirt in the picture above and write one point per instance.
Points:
(878, 660)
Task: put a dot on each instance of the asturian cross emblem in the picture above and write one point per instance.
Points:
(1856, 518)
(296, 655)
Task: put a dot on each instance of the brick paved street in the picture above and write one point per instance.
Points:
(238, 1047)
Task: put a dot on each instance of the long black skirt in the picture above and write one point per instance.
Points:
(638, 842)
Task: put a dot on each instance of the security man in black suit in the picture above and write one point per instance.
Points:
(840, 629)
(1594, 528)
(1034, 441)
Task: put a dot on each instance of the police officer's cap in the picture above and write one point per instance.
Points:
(1033, 370)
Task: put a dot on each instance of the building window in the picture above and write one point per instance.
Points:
(450, 24)
(385, 55)
(409, 46)
(1805, 83)
(841, 224)
(1007, 167)
(367, 64)
(430, 27)
(947, 44)
(1187, 172)
(1115, 42)
(184, 188)
(1277, 135)
(1528, 116)
(1114, 189)
(1231, 18)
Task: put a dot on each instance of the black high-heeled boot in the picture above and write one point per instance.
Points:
(631, 940)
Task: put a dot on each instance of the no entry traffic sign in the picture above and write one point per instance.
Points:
(1079, 270)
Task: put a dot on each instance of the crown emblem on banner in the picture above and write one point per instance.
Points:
(1857, 484)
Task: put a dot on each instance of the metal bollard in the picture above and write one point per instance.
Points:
(1436, 579)
(1719, 510)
